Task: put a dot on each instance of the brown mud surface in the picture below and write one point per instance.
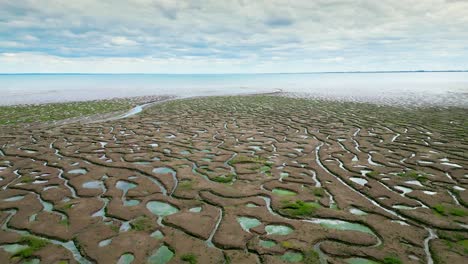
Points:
(242, 179)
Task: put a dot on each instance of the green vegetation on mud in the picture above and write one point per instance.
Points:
(34, 244)
(266, 169)
(186, 184)
(259, 164)
(290, 245)
(464, 245)
(318, 191)
(27, 179)
(189, 258)
(267, 243)
(299, 208)
(244, 159)
(414, 175)
(10, 115)
(446, 210)
(311, 257)
(392, 260)
(283, 192)
(373, 174)
(141, 223)
(224, 178)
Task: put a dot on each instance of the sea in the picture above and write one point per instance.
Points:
(394, 88)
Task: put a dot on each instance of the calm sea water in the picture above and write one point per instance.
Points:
(428, 88)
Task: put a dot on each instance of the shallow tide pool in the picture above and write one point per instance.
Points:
(278, 230)
(248, 222)
(161, 209)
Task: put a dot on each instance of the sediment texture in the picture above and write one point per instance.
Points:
(253, 179)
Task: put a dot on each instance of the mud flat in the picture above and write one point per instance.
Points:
(241, 179)
(82, 111)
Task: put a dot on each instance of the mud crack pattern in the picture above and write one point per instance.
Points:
(253, 179)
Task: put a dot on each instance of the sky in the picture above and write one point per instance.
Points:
(232, 36)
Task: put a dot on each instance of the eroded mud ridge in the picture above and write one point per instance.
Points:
(254, 179)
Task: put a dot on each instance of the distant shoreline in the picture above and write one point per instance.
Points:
(409, 88)
(259, 73)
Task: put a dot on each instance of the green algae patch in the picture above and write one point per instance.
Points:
(33, 244)
(292, 257)
(289, 244)
(267, 243)
(419, 176)
(449, 210)
(266, 170)
(141, 223)
(224, 178)
(392, 260)
(189, 258)
(244, 159)
(185, 184)
(360, 261)
(299, 208)
(248, 222)
(464, 244)
(278, 230)
(318, 191)
(161, 209)
(283, 192)
(26, 179)
(311, 257)
(10, 115)
(162, 256)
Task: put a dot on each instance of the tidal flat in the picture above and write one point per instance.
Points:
(236, 179)
(70, 112)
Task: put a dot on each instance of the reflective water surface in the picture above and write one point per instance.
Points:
(413, 88)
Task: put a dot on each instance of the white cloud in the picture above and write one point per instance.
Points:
(368, 33)
(123, 41)
(335, 59)
(30, 38)
(11, 44)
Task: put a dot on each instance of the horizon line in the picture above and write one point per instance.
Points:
(227, 73)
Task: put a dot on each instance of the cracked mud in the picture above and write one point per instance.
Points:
(252, 179)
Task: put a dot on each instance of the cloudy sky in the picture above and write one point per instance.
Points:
(214, 36)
